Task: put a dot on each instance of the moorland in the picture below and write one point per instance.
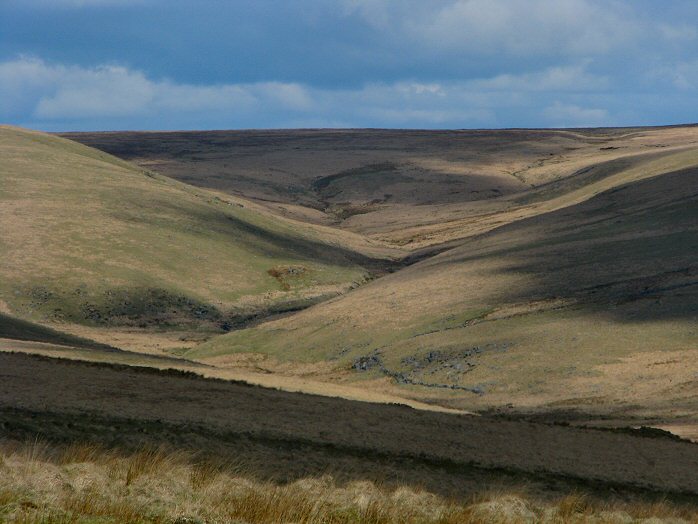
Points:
(518, 306)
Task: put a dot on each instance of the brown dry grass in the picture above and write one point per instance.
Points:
(87, 483)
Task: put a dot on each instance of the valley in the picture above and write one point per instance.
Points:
(543, 270)
(519, 306)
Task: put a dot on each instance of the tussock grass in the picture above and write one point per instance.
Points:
(87, 483)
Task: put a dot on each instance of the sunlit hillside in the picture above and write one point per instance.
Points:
(91, 239)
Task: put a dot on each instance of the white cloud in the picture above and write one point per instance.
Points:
(570, 115)
(563, 78)
(21, 83)
(107, 96)
(72, 93)
(289, 95)
(187, 98)
(72, 4)
(417, 88)
(679, 33)
(515, 27)
(680, 75)
(375, 12)
(101, 92)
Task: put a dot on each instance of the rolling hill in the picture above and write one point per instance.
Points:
(587, 300)
(410, 188)
(91, 239)
(548, 273)
(204, 334)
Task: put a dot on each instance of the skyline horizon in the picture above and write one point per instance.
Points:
(86, 65)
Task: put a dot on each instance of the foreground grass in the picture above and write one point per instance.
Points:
(85, 483)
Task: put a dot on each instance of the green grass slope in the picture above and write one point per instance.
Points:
(594, 302)
(89, 238)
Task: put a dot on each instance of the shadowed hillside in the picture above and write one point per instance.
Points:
(17, 329)
(262, 425)
(122, 444)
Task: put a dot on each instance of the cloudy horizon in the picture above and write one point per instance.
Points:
(452, 64)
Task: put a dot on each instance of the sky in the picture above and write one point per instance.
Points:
(240, 64)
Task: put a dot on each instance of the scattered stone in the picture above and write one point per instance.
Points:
(367, 362)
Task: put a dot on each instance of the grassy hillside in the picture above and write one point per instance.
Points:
(89, 238)
(590, 303)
